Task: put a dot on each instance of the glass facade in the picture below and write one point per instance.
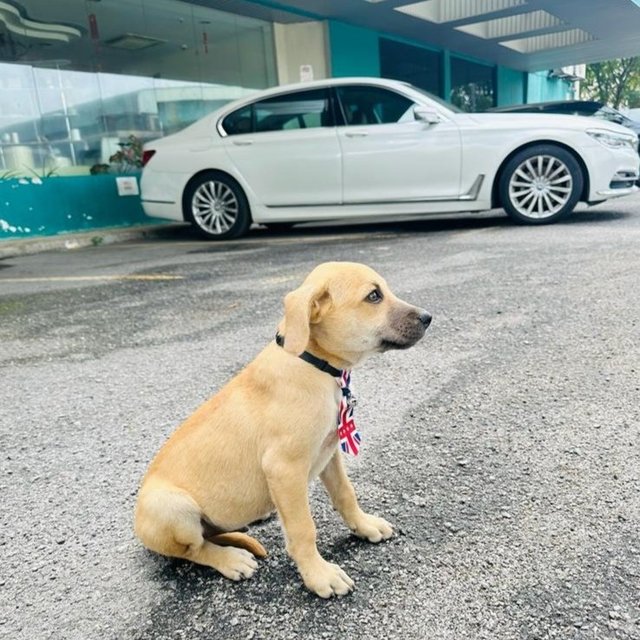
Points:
(80, 80)
(416, 65)
(473, 85)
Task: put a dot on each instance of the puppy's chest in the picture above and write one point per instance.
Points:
(327, 433)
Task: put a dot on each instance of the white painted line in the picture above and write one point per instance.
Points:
(247, 242)
(151, 277)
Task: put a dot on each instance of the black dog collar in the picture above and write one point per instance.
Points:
(318, 363)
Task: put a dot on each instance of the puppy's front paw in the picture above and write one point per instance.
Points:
(327, 579)
(372, 528)
(236, 564)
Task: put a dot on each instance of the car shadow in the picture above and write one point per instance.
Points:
(261, 236)
(458, 222)
(596, 216)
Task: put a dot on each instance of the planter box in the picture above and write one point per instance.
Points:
(48, 206)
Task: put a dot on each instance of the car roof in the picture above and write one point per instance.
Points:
(331, 82)
(557, 103)
(585, 105)
(577, 103)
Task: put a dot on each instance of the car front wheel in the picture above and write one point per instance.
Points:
(540, 185)
(216, 206)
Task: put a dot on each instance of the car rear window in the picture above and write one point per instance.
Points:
(238, 122)
(299, 110)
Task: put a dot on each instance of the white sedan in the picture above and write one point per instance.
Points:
(361, 147)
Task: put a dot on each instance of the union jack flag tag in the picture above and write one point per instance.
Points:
(347, 430)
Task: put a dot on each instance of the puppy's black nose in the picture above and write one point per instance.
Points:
(425, 318)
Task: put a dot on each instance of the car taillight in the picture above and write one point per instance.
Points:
(147, 154)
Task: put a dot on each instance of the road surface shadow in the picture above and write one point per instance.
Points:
(320, 231)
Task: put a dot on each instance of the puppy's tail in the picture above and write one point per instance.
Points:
(238, 539)
(217, 535)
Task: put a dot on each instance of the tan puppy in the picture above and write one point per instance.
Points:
(257, 444)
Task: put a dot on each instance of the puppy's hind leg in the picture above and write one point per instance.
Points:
(169, 521)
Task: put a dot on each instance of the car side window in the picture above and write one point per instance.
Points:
(364, 105)
(299, 110)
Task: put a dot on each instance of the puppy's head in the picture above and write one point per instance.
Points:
(346, 311)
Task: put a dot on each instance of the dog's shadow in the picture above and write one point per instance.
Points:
(194, 598)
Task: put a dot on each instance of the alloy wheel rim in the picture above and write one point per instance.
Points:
(214, 207)
(540, 187)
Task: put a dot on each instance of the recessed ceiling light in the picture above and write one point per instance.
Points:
(556, 40)
(133, 42)
(441, 11)
(512, 25)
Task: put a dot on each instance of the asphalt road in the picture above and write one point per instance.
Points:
(504, 446)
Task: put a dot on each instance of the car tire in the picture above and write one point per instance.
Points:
(216, 206)
(541, 184)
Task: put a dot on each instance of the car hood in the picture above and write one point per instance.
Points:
(633, 125)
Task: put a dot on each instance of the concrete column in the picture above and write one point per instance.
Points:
(301, 51)
(446, 74)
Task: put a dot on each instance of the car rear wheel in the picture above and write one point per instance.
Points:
(216, 206)
(540, 185)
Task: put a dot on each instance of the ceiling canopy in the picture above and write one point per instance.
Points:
(529, 35)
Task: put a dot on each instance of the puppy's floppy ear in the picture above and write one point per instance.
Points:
(302, 308)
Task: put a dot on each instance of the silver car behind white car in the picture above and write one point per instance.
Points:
(360, 147)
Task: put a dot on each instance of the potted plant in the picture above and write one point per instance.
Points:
(129, 157)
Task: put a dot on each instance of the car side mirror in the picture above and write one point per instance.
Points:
(424, 114)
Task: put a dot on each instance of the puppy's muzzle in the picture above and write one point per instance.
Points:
(407, 327)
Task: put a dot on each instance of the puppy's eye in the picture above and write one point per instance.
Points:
(375, 296)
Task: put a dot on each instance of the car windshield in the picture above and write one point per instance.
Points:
(438, 99)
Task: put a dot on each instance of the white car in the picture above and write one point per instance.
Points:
(356, 147)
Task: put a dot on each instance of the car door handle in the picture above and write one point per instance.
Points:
(356, 134)
(243, 143)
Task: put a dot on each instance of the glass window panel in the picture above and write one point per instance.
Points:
(473, 85)
(18, 104)
(143, 68)
(416, 65)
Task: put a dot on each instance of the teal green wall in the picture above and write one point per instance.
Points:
(511, 86)
(542, 88)
(56, 205)
(353, 50)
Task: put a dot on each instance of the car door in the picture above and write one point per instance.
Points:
(390, 156)
(286, 148)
